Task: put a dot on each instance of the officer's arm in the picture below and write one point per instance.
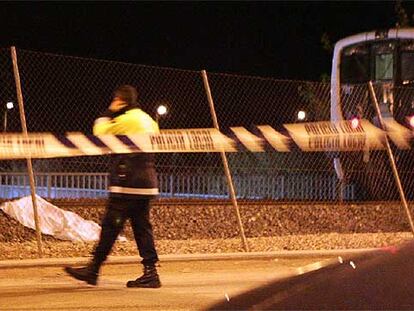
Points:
(124, 124)
(107, 122)
(103, 125)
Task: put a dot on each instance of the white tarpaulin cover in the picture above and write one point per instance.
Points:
(54, 221)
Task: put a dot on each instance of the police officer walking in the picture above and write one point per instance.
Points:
(133, 184)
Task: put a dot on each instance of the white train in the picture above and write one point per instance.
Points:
(387, 59)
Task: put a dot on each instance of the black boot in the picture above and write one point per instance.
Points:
(149, 279)
(88, 274)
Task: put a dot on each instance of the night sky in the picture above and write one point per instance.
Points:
(273, 39)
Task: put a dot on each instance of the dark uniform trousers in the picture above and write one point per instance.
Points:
(118, 210)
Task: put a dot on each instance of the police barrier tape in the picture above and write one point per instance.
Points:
(308, 137)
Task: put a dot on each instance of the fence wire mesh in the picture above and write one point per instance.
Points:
(252, 101)
(370, 171)
(65, 94)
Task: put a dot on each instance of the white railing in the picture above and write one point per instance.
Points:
(94, 185)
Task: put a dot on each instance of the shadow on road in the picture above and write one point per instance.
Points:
(380, 280)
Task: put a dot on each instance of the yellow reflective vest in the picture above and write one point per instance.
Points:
(131, 174)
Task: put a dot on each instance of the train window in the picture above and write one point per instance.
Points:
(355, 64)
(407, 61)
(384, 66)
(407, 67)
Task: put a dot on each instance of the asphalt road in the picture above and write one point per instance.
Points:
(188, 285)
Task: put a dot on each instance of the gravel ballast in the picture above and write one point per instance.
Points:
(194, 227)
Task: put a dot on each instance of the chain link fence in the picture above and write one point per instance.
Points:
(369, 171)
(65, 94)
(251, 101)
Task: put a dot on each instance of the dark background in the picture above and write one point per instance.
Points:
(274, 39)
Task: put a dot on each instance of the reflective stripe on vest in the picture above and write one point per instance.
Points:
(126, 190)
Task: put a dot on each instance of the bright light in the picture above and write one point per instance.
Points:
(9, 105)
(411, 121)
(301, 115)
(161, 110)
(354, 123)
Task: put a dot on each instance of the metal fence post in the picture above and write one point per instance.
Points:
(225, 162)
(391, 157)
(28, 160)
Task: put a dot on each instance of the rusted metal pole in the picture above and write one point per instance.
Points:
(225, 162)
(391, 157)
(28, 159)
